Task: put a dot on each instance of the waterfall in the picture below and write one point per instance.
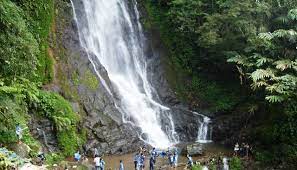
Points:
(44, 139)
(111, 30)
(204, 131)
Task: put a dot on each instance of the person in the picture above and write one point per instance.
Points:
(102, 164)
(170, 159)
(121, 165)
(141, 161)
(247, 150)
(152, 163)
(175, 157)
(97, 162)
(236, 149)
(242, 149)
(77, 156)
(154, 153)
(190, 161)
(136, 157)
(163, 154)
(19, 132)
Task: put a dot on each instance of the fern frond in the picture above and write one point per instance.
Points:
(283, 64)
(241, 60)
(261, 74)
(274, 98)
(266, 36)
(258, 84)
(261, 60)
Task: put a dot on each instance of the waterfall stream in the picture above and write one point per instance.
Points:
(110, 29)
(205, 130)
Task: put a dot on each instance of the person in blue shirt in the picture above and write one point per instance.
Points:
(154, 153)
(136, 157)
(141, 161)
(77, 156)
(175, 157)
(121, 165)
(102, 164)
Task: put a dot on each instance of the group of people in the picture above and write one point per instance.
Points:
(243, 150)
(139, 158)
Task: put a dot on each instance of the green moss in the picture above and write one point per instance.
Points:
(89, 80)
(69, 91)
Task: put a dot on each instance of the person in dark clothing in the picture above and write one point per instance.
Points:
(152, 163)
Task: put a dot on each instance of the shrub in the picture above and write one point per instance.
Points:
(235, 164)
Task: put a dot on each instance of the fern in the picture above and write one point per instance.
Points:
(261, 74)
(260, 59)
(284, 64)
(266, 36)
(274, 98)
(241, 60)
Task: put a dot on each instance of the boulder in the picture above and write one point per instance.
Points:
(21, 149)
(195, 149)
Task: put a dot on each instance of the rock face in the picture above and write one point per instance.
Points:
(43, 130)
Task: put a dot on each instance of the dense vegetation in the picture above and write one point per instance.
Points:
(25, 65)
(235, 52)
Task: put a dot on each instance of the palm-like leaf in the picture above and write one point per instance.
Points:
(274, 98)
(283, 64)
(261, 74)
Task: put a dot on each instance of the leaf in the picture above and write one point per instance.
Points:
(261, 74)
(284, 64)
(274, 99)
(241, 60)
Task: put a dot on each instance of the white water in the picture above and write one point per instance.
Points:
(115, 36)
(225, 164)
(204, 132)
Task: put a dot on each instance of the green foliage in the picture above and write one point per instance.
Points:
(272, 65)
(60, 112)
(19, 48)
(197, 167)
(39, 15)
(235, 164)
(48, 104)
(211, 92)
(54, 158)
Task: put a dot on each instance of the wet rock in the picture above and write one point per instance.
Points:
(195, 149)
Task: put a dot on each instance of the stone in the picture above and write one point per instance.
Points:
(195, 149)
(21, 149)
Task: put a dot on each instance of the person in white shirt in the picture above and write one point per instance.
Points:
(97, 162)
